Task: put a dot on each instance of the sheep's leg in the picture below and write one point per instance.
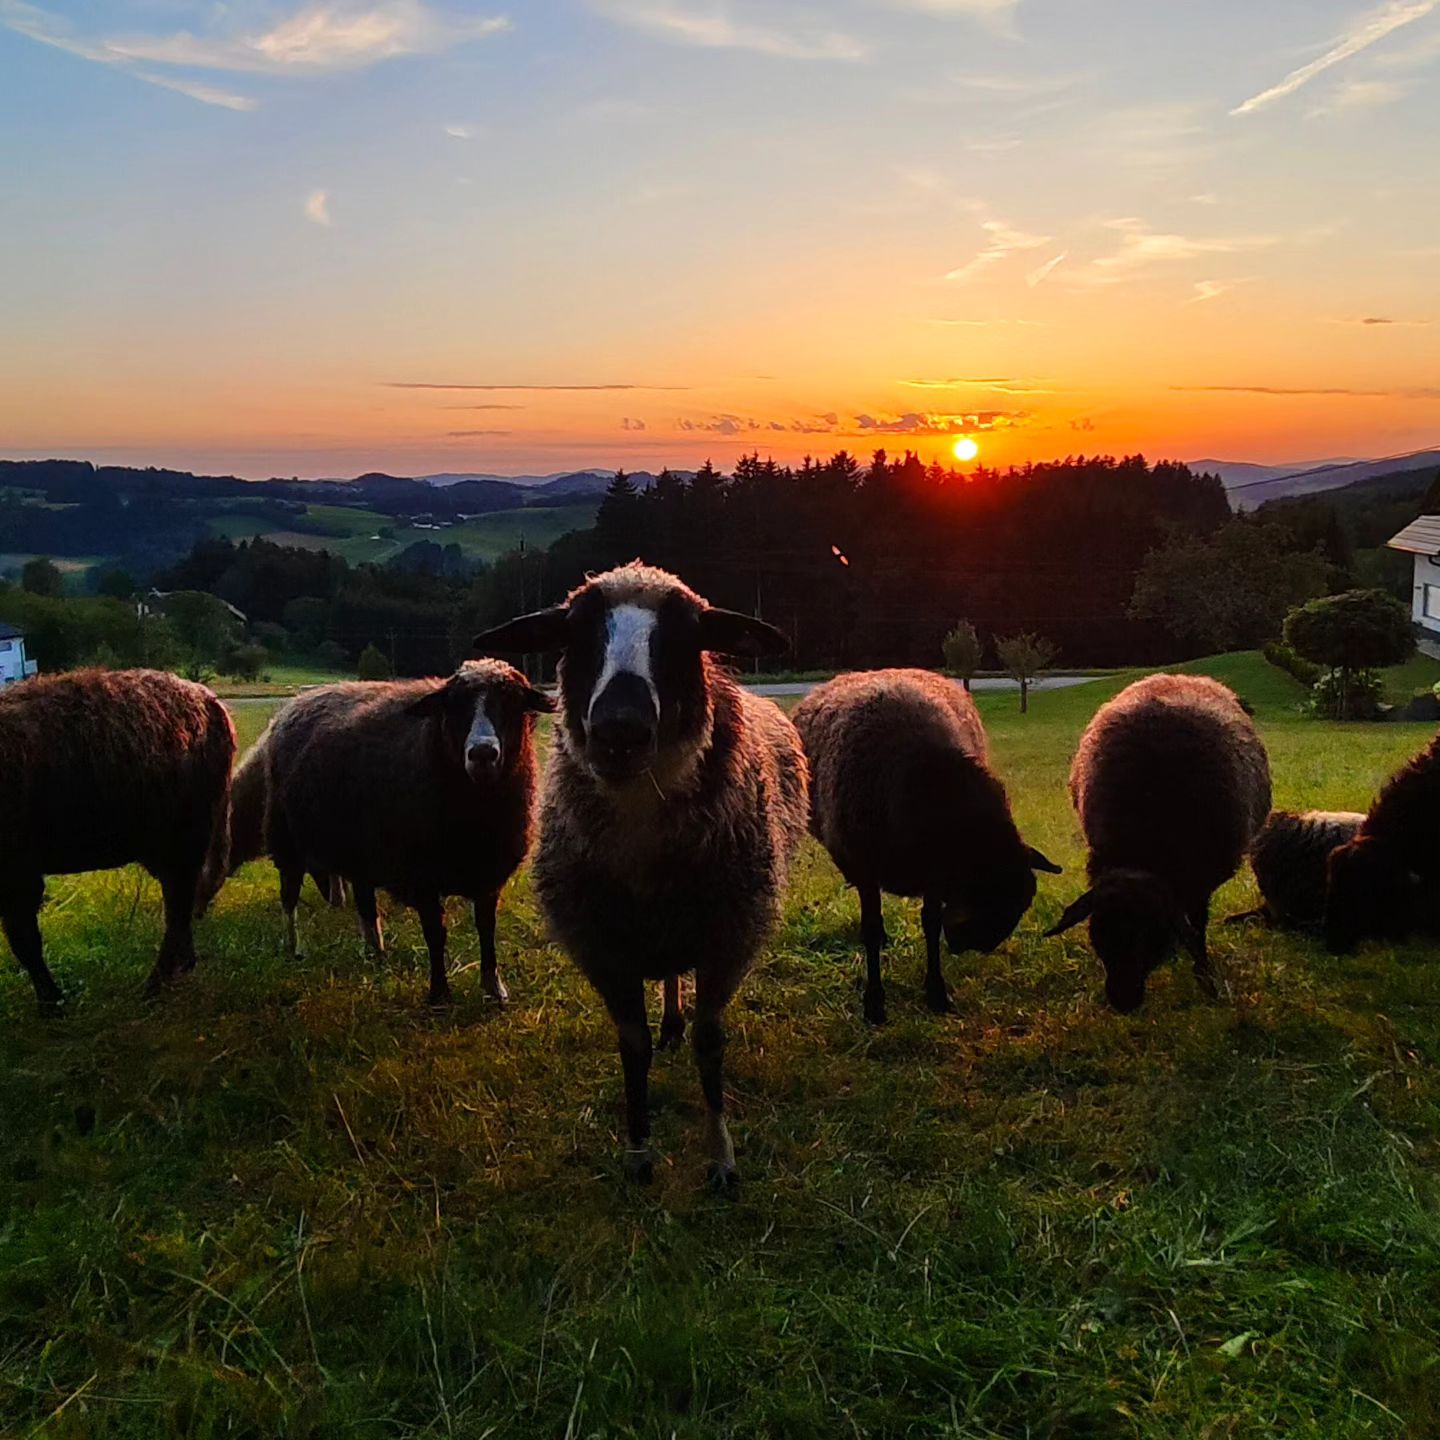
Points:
(177, 947)
(432, 922)
(370, 929)
(672, 1023)
(872, 931)
(290, 883)
(1205, 973)
(712, 993)
(937, 997)
(332, 887)
(19, 918)
(626, 1003)
(490, 981)
(1260, 914)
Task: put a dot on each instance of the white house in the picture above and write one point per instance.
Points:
(13, 664)
(1421, 538)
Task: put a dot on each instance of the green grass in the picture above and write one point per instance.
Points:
(287, 1201)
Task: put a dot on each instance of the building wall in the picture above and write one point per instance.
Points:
(1425, 600)
(13, 665)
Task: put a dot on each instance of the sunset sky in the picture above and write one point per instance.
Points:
(264, 238)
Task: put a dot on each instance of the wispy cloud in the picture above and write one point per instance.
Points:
(1406, 392)
(1214, 289)
(1001, 383)
(198, 90)
(630, 423)
(1141, 248)
(1005, 240)
(472, 434)
(996, 14)
(1381, 320)
(318, 39)
(447, 385)
(460, 132)
(748, 425)
(1361, 95)
(1042, 273)
(317, 207)
(918, 423)
(1366, 31)
(482, 407)
(712, 25)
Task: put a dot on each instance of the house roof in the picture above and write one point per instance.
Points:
(1419, 537)
(9, 632)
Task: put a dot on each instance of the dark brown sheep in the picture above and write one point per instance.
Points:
(902, 797)
(1172, 784)
(424, 788)
(1289, 858)
(106, 768)
(673, 806)
(249, 799)
(1383, 884)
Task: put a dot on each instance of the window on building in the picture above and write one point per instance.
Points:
(1432, 602)
(6, 645)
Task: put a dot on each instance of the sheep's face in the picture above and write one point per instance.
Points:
(633, 674)
(1370, 893)
(485, 714)
(987, 919)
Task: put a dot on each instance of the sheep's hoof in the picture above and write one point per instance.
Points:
(51, 1006)
(494, 987)
(639, 1166)
(157, 984)
(875, 1007)
(938, 999)
(672, 1032)
(724, 1179)
(439, 997)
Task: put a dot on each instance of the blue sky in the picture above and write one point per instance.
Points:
(258, 236)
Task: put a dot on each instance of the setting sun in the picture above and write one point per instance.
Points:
(965, 448)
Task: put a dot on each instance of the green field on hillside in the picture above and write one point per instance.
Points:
(353, 533)
(287, 1200)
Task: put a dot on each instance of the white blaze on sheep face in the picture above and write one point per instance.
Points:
(483, 750)
(628, 632)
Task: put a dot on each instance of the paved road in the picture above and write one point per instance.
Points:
(793, 687)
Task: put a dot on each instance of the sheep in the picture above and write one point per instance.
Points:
(1289, 860)
(1171, 783)
(108, 768)
(249, 797)
(902, 798)
(1382, 884)
(424, 788)
(673, 805)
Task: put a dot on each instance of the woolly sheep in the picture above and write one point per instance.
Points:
(1171, 783)
(673, 805)
(902, 798)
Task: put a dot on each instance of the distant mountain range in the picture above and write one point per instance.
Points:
(1256, 484)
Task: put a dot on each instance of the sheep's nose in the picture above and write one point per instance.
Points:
(483, 757)
(623, 726)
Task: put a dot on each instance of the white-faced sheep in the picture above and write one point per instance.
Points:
(108, 768)
(423, 788)
(1384, 883)
(673, 806)
(1289, 858)
(1172, 784)
(902, 797)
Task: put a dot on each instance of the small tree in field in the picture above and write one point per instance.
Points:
(1350, 633)
(372, 664)
(962, 651)
(1026, 656)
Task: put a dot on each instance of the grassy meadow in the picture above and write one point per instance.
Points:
(289, 1201)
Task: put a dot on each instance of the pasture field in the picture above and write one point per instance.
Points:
(289, 1201)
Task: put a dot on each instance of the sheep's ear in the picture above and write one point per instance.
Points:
(1039, 862)
(539, 701)
(731, 633)
(432, 703)
(534, 634)
(1078, 910)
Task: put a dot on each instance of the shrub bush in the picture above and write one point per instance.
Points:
(1280, 655)
(1330, 701)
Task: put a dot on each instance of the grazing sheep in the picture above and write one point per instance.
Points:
(1289, 860)
(1383, 883)
(249, 797)
(1171, 783)
(902, 799)
(424, 788)
(107, 768)
(673, 806)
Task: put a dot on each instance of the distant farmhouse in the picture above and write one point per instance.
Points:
(1421, 539)
(13, 664)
